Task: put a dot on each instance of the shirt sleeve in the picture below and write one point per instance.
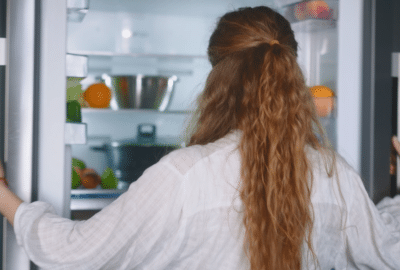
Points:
(373, 233)
(124, 234)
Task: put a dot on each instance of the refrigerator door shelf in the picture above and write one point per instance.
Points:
(312, 25)
(75, 133)
(314, 10)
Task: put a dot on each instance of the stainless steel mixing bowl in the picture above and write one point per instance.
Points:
(140, 92)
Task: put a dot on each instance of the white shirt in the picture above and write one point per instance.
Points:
(183, 214)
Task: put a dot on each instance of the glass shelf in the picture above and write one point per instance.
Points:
(109, 62)
(95, 199)
(140, 55)
(129, 111)
(83, 193)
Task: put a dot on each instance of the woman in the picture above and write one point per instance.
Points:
(255, 189)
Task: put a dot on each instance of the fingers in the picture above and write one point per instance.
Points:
(396, 144)
(1, 170)
(4, 181)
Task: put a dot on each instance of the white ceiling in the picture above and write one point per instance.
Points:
(207, 8)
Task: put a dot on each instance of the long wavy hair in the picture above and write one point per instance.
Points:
(259, 89)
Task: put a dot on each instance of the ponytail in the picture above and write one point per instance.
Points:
(275, 170)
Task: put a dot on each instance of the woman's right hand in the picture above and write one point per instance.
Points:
(2, 174)
(395, 149)
(396, 144)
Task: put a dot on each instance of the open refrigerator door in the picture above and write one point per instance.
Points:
(314, 23)
(330, 56)
(37, 139)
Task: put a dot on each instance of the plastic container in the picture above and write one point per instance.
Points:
(313, 15)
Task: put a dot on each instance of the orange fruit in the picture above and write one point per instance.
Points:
(321, 91)
(323, 99)
(317, 9)
(98, 95)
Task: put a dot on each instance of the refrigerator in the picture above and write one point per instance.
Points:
(34, 41)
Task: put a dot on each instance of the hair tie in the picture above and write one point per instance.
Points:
(272, 42)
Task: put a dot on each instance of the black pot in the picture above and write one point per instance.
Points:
(130, 158)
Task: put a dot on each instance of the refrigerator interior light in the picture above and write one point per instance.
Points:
(126, 33)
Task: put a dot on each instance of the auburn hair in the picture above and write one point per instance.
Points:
(259, 89)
